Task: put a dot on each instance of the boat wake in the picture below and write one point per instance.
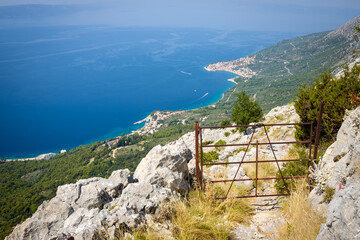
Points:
(187, 73)
(204, 96)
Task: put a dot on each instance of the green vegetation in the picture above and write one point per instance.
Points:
(329, 193)
(24, 185)
(226, 134)
(220, 142)
(245, 110)
(292, 169)
(210, 157)
(338, 95)
(225, 122)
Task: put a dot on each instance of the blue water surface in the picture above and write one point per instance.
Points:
(61, 87)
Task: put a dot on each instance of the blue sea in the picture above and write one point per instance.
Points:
(61, 87)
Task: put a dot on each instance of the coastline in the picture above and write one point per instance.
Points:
(151, 124)
(232, 80)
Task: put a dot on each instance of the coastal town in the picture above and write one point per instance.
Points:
(154, 121)
(239, 67)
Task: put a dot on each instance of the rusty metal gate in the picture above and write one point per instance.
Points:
(199, 146)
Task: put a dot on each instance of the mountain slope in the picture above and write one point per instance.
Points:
(282, 68)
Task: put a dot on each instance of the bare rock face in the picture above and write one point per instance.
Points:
(346, 30)
(99, 208)
(339, 162)
(94, 208)
(166, 166)
(339, 169)
(75, 203)
(343, 220)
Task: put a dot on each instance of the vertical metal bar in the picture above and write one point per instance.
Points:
(197, 170)
(257, 158)
(201, 159)
(311, 135)
(318, 128)
(310, 162)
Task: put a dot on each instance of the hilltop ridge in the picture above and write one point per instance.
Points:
(346, 30)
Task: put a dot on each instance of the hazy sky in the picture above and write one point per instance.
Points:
(279, 15)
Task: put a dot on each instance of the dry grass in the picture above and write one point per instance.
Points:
(302, 223)
(204, 217)
(265, 169)
(201, 216)
(148, 234)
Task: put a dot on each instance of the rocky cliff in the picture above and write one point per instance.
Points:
(337, 176)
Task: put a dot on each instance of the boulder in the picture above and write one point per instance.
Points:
(166, 166)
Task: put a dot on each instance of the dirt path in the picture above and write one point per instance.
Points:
(266, 220)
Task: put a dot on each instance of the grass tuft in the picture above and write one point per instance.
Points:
(302, 223)
(201, 216)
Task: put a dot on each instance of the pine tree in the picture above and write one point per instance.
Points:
(245, 110)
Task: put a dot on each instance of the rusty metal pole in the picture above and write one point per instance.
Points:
(256, 173)
(318, 128)
(310, 162)
(201, 161)
(197, 170)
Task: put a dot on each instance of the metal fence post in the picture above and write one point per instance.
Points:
(197, 170)
(257, 158)
(318, 128)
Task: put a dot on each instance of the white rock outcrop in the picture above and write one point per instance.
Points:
(99, 208)
(75, 210)
(166, 166)
(339, 161)
(339, 169)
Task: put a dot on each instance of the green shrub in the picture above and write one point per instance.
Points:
(329, 193)
(210, 157)
(234, 130)
(226, 134)
(225, 122)
(290, 169)
(220, 142)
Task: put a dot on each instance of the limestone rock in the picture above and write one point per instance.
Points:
(340, 160)
(143, 197)
(73, 204)
(166, 166)
(45, 156)
(343, 219)
(247, 232)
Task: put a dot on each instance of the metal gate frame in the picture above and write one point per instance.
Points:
(201, 164)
